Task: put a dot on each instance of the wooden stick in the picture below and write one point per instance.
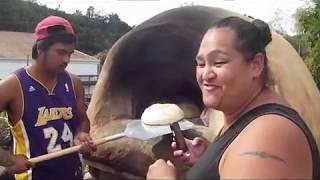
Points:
(73, 149)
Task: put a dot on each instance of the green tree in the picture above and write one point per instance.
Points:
(299, 43)
(309, 24)
(276, 23)
(6, 15)
(95, 32)
(78, 13)
(90, 12)
(102, 56)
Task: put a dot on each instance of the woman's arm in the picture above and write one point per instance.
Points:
(271, 147)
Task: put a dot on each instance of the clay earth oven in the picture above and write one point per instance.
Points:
(153, 63)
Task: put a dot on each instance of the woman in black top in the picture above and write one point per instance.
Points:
(262, 136)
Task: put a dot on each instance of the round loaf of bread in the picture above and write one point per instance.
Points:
(162, 114)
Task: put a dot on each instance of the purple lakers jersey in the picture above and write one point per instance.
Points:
(48, 124)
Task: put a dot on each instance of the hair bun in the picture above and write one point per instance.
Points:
(265, 32)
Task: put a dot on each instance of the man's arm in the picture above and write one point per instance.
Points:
(82, 136)
(5, 85)
(10, 97)
(84, 125)
(271, 147)
(10, 93)
(6, 158)
(14, 164)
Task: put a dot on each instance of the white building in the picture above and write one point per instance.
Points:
(15, 52)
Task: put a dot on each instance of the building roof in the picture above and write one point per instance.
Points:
(18, 45)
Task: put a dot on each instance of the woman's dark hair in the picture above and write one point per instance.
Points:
(56, 34)
(252, 37)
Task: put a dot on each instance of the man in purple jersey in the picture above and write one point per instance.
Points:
(46, 109)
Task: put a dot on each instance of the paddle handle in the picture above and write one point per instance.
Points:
(73, 149)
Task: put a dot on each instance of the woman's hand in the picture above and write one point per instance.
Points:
(161, 170)
(195, 147)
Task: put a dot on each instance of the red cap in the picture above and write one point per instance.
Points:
(41, 29)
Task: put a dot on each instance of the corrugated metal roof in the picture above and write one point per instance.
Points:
(18, 45)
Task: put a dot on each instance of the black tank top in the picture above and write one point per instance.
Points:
(207, 166)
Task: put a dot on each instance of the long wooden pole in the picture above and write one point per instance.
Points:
(73, 149)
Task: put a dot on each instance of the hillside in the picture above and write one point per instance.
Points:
(95, 32)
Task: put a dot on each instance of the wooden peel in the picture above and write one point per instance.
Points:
(134, 129)
(73, 149)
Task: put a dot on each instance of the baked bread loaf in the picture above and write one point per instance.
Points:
(161, 114)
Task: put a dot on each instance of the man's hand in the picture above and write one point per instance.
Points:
(86, 143)
(18, 164)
